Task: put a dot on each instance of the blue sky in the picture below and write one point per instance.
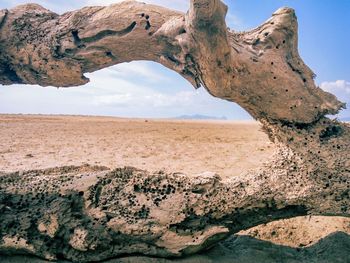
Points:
(146, 89)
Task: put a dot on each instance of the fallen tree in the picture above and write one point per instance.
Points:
(93, 213)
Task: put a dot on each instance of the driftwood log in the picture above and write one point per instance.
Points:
(93, 213)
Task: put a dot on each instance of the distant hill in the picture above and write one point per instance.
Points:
(199, 117)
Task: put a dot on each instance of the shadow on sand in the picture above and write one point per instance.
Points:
(335, 248)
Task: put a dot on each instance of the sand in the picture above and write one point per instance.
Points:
(190, 147)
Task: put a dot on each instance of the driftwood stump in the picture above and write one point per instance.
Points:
(93, 213)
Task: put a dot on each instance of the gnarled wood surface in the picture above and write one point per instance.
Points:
(92, 213)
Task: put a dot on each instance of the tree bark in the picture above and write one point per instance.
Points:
(91, 213)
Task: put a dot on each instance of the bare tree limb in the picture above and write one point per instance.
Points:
(37, 44)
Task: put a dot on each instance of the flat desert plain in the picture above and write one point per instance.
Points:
(190, 147)
(225, 147)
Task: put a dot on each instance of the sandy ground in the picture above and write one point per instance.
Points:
(35, 142)
(191, 147)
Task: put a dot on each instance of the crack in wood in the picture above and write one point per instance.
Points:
(108, 32)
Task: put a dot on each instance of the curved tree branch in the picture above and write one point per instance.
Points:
(36, 44)
(88, 213)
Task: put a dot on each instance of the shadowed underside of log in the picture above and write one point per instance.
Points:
(92, 213)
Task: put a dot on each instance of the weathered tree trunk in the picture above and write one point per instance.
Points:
(91, 213)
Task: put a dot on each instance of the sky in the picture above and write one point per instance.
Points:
(148, 90)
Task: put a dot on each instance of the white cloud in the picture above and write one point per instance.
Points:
(116, 87)
(340, 88)
(137, 89)
(233, 21)
(141, 69)
(150, 98)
